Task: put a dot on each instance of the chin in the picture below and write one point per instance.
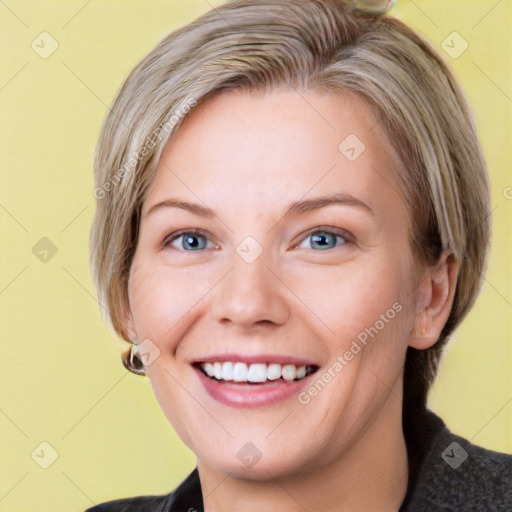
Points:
(262, 470)
(256, 461)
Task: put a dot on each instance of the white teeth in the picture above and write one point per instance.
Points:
(208, 368)
(227, 370)
(289, 372)
(217, 370)
(256, 372)
(240, 372)
(301, 372)
(273, 371)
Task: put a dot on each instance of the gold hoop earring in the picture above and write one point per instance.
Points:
(132, 361)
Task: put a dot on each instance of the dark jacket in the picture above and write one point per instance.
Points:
(446, 473)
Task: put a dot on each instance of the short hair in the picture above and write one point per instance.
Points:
(315, 46)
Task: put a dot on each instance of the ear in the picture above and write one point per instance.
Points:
(434, 299)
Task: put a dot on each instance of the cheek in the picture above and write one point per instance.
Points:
(156, 302)
(165, 300)
(147, 296)
(351, 299)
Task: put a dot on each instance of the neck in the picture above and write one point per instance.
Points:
(371, 476)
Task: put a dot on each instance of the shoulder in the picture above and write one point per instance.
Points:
(458, 475)
(135, 504)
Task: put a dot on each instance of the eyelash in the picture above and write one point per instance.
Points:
(347, 237)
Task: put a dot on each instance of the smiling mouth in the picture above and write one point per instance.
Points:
(255, 373)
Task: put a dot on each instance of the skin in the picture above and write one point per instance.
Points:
(247, 156)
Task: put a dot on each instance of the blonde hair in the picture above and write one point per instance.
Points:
(309, 45)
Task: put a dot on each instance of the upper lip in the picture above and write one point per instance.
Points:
(256, 358)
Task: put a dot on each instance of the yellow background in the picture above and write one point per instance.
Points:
(62, 381)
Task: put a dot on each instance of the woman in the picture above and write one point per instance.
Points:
(293, 215)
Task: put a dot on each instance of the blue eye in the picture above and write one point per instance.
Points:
(192, 240)
(325, 239)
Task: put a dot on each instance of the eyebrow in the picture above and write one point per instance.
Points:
(295, 208)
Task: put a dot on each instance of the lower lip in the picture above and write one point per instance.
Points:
(251, 395)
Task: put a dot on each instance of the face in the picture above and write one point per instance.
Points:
(273, 244)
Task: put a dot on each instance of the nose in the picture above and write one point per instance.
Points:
(250, 295)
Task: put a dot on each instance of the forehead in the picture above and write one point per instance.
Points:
(263, 149)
